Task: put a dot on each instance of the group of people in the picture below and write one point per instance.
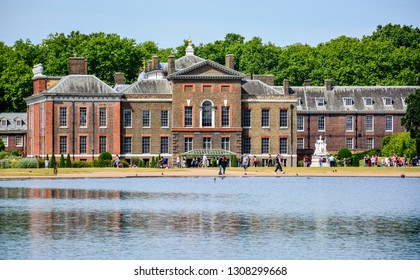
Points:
(245, 163)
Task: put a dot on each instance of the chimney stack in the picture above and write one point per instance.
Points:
(328, 85)
(171, 64)
(267, 79)
(77, 66)
(40, 80)
(155, 62)
(149, 65)
(307, 83)
(230, 61)
(119, 78)
(286, 86)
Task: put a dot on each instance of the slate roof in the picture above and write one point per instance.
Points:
(334, 100)
(258, 87)
(11, 119)
(149, 86)
(81, 84)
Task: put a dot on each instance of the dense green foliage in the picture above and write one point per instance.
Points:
(411, 121)
(400, 144)
(105, 156)
(344, 153)
(2, 146)
(390, 56)
(62, 162)
(68, 161)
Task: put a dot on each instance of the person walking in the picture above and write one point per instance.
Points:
(245, 162)
(278, 164)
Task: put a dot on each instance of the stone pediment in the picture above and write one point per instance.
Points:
(206, 69)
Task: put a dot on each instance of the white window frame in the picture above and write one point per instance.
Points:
(347, 100)
(301, 145)
(226, 143)
(300, 119)
(19, 143)
(373, 123)
(5, 140)
(349, 123)
(370, 100)
(265, 145)
(125, 119)
(63, 116)
(320, 101)
(19, 123)
(350, 143)
(164, 119)
(102, 117)
(284, 118)
(284, 145)
(267, 118)
(372, 144)
(324, 122)
(3, 122)
(249, 117)
(85, 117)
(212, 112)
(386, 122)
(146, 119)
(387, 100)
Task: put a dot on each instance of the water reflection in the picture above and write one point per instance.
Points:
(48, 223)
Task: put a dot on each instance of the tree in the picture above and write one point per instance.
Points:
(53, 161)
(2, 146)
(62, 163)
(400, 144)
(411, 121)
(68, 161)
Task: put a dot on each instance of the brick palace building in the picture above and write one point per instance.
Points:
(191, 103)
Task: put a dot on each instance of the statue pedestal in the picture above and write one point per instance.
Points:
(315, 161)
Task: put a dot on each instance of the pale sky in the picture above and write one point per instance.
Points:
(168, 23)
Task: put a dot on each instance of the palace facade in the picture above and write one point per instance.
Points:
(191, 103)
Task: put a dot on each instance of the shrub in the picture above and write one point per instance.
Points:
(153, 162)
(4, 163)
(68, 161)
(344, 153)
(3, 155)
(101, 163)
(234, 161)
(41, 163)
(300, 163)
(81, 164)
(135, 161)
(124, 163)
(28, 163)
(53, 162)
(355, 161)
(62, 163)
(105, 156)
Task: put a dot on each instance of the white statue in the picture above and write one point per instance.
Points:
(320, 146)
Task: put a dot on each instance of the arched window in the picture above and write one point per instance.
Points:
(207, 114)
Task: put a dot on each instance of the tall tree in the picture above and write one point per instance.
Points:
(411, 121)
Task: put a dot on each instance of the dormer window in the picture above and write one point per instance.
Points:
(19, 123)
(3, 122)
(368, 101)
(299, 102)
(404, 102)
(348, 101)
(387, 101)
(320, 101)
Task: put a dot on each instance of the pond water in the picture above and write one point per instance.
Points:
(205, 218)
